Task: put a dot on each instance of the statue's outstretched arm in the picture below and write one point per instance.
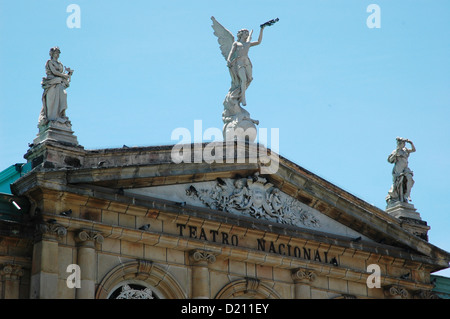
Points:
(259, 38)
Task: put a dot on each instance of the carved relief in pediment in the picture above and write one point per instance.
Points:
(254, 196)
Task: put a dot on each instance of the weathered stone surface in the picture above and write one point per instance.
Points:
(116, 199)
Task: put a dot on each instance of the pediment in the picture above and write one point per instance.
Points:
(250, 196)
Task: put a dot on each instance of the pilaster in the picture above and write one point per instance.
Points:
(200, 273)
(10, 280)
(302, 279)
(44, 272)
(87, 262)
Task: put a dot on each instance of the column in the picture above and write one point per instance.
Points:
(302, 279)
(200, 273)
(44, 270)
(10, 276)
(86, 260)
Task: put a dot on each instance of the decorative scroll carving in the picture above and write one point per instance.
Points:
(130, 293)
(201, 255)
(303, 275)
(51, 229)
(396, 291)
(256, 197)
(86, 235)
(11, 271)
(426, 294)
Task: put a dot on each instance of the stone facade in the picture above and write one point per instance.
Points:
(127, 219)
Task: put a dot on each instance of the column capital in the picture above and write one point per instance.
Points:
(393, 291)
(426, 294)
(50, 230)
(199, 256)
(11, 271)
(86, 237)
(303, 275)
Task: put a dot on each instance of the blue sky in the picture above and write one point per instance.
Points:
(339, 92)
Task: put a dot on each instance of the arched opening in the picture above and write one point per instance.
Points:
(139, 290)
(248, 288)
(139, 279)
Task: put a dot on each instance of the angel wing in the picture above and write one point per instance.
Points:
(224, 37)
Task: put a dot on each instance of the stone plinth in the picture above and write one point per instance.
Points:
(401, 209)
(55, 146)
(56, 132)
(51, 154)
(409, 218)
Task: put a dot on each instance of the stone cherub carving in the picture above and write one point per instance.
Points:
(402, 176)
(54, 98)
(236, 54)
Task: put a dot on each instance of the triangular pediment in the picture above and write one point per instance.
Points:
(250, 196)
(304, 203)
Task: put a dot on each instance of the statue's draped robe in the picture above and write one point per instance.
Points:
(54, 98)
(400, 174)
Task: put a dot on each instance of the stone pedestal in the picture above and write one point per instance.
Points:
(410, 219)
(400, 209)
(55, 147)
(56, 132)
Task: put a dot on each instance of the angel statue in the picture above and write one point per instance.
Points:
(54, 98)
(235, 53)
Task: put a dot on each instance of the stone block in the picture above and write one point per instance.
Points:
(282, 275)
(237, 267)
(127, 220)
(285, 290)
(65, 292)
(110, 217)
(175, 256)
(66, 256)
(357, 289)
(131, 249)
(218, 280)
(111, 245)
(153, 253)
(264, 272)
(339, 285)
(319, 294)
(44, 286)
